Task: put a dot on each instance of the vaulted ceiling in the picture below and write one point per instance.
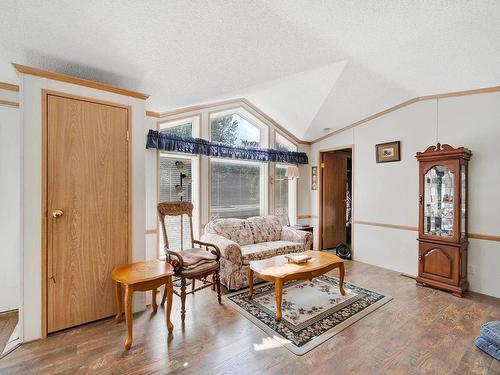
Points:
(310, 65)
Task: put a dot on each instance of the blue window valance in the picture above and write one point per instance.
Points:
(199, 146)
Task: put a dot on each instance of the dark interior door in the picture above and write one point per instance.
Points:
(334, 172)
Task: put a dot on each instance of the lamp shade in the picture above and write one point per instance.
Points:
(292, 172)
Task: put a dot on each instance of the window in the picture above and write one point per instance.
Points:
(285, 189)
(281, 194)
(184, 127)
(233, 129)
(182, 130)
(177, 181)
(170, 178)
(284, 144)
(238, 188)
(175, 185)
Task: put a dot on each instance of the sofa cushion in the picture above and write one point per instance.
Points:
(265, 250)
(236, 230)
(265, 228)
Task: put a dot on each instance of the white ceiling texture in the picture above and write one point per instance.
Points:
(309, 64)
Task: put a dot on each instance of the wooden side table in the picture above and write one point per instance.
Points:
(141, 277)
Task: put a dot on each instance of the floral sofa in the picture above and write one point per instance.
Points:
(241, 241)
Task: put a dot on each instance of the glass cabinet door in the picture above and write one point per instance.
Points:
(438, 202)
(463, 204)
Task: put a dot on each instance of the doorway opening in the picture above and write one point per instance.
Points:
(336, 201)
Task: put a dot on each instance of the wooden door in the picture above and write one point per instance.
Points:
(334, 186)
(87, 179)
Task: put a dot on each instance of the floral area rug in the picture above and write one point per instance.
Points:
(312, 311)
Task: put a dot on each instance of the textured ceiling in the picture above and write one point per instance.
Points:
(310, 64)
(293, 100)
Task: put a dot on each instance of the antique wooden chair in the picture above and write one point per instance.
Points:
(189, 262)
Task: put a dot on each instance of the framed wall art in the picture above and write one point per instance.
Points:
(388, 152)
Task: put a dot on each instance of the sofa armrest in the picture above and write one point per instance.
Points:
(229, 250)
(295, 235)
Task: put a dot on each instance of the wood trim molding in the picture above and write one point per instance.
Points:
(9, 86)
(366, 119)
(484, 90)
(153, 114)
(9, 103)
(487, 237)
(407, 103)
(198, 107)
(78, 81)
(307, 217)
(43, 214)
(476, 236)
(384, 225)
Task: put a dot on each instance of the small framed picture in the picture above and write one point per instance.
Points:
(314, 178)
(387, 152)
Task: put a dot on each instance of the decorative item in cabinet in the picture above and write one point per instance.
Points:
(442, 225)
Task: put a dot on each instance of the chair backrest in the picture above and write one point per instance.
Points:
(176, 217)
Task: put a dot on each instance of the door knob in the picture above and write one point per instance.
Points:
(57, 213)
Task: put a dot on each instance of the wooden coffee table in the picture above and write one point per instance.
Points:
(278, 270)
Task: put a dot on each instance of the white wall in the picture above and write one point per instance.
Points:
(151, 195)
(9, 204)
(388, 193)
(31, 111)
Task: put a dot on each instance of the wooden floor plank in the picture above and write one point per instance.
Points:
(8, 322)
(420, 331)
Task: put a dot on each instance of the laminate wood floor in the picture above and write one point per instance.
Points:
(421, 331)
(8, 322)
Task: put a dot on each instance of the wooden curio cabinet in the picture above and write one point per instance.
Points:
(442, 228)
